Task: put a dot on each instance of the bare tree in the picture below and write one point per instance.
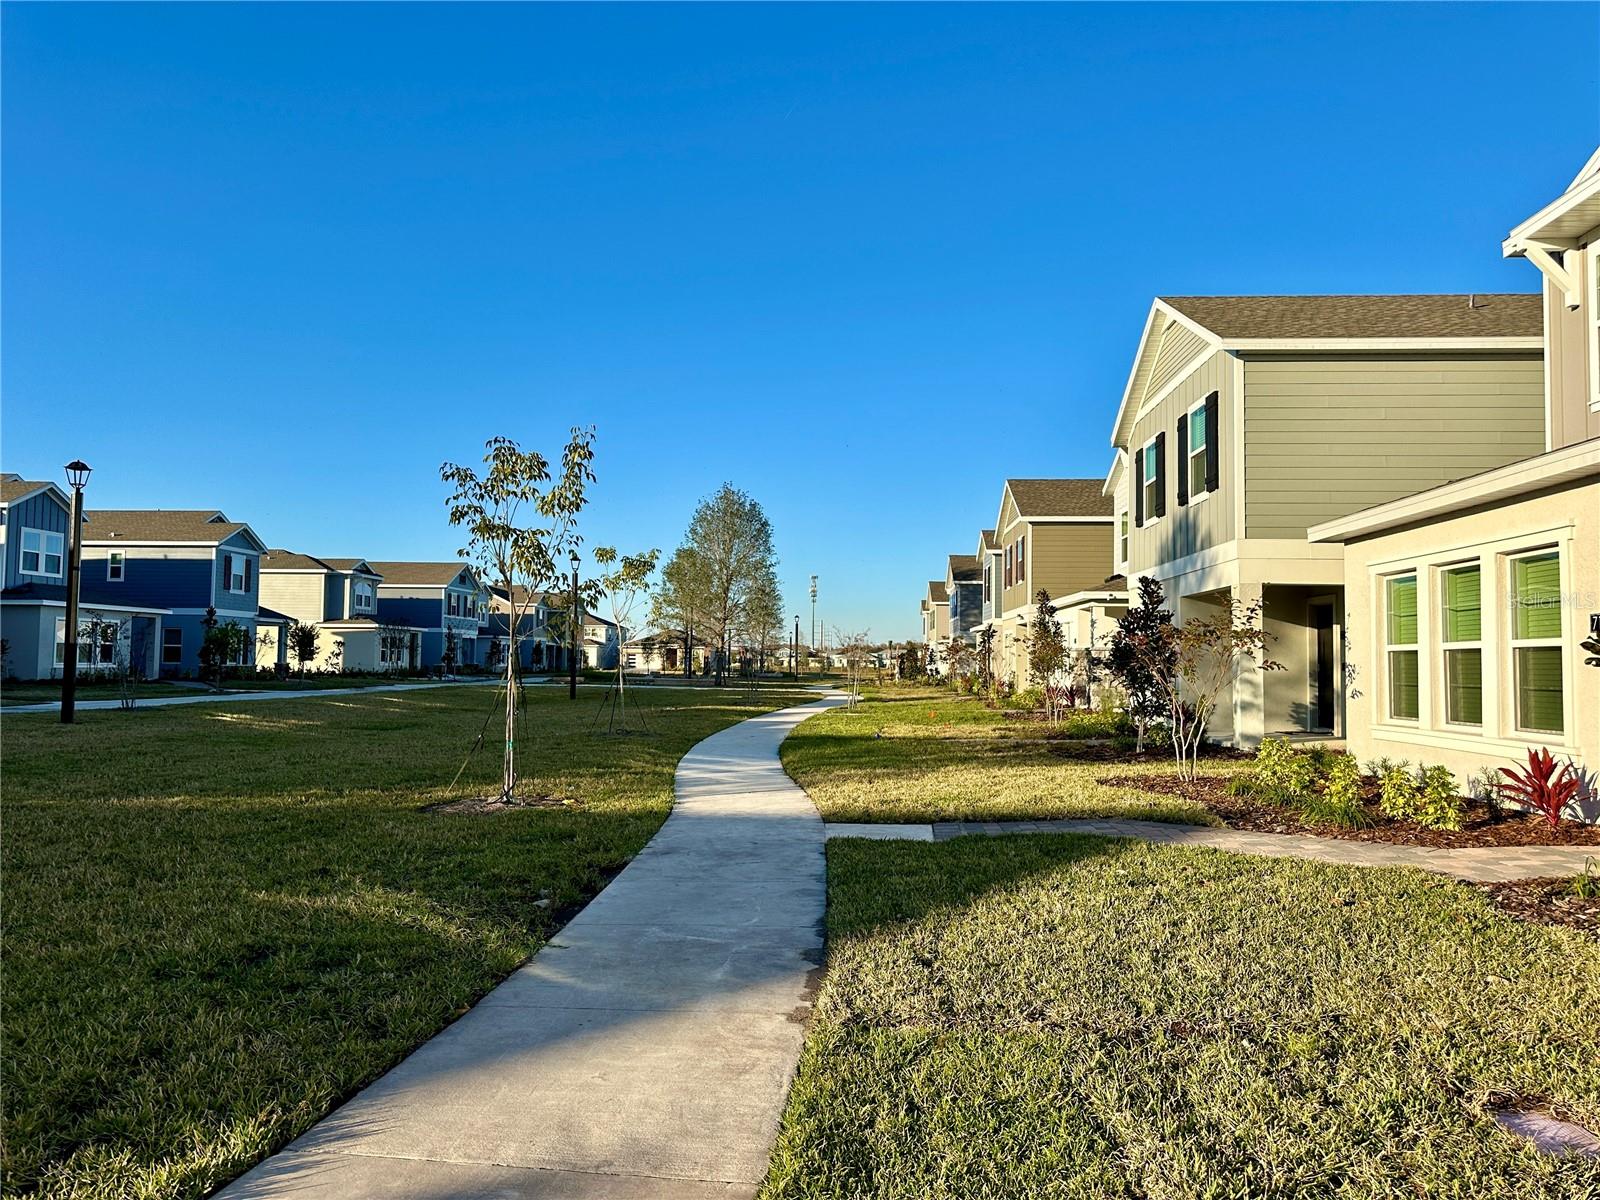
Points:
(623, 581)
(525, 559)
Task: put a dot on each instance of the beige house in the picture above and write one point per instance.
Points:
(1247, 420)
(1050, 534)
(1088, 619)
(936, 617)
(1467, 602)
(337, 595)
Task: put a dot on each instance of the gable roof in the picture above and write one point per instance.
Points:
(288, 560)
(359, 566)
(1037, 498)
(14, 489)
(937, 592)
(1461, 315)
(963, 568)
(197, 526)
(1569, 215)
(434, 574)
(987, 540)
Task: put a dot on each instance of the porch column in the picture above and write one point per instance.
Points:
(1249, 684)
(283, 650)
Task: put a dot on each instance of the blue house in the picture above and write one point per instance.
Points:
(435, 598)
(185, 560)
(114, 628)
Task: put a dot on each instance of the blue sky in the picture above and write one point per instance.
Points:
(864, 262)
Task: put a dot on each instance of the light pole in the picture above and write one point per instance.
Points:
(813, 613)
(78, 477)
(796, 660)
(577, 626)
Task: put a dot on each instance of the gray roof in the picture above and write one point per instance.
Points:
(288, 560)
(14, 487)
(937, 590)
(437, 574)
(963, 567)
(1460, 315)
(1060, 497)
(160, 525)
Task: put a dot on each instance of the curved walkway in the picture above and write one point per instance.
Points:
(1482, 864)
(645, 1051)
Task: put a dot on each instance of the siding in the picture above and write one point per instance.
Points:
(1071, 558)
(1326, 436)
(1179, 345)
(37, 512)
(295, 594)
(1191, 528)
(1571, 419)
(164, 577)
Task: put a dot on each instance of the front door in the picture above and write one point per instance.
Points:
(1324, 667)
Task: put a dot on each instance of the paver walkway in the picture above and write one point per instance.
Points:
(1487, 864)
(645, 1052)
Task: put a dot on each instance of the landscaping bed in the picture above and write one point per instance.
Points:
(1482, 826)
(1548, 901)
(222, 919)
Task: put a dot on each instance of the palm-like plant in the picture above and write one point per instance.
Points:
(1544, 785)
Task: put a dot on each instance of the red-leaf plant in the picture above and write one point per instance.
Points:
(1544, 785)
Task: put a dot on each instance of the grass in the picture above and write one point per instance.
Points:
(1058, 1016)
(49, 691)
(924, 754)
(222, 919)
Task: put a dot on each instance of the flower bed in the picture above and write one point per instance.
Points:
(1546, 902)
(1481, 826)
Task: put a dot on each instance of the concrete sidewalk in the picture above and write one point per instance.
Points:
(1485, 864)
(646, 1051)
(209, 697)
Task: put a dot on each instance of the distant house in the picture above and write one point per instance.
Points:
(438, 600)
(661, 653)
(121, 625)
(340, 597)
(963, 582)
(538, 646)
(183, 561)
(936, 618)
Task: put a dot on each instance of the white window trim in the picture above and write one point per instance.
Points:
(94, 662)
(1445, 646)
(1513, 643)
(1148, 457)
(43, 552)
(118, 559)
(1189, 453)
(1124, 528)
(1415, 647)
(169, 645)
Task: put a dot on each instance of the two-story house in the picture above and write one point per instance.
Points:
(1053, 535)
(538, 645)
(340, 597)
(936, 620)
(963, 583)
(443, 602)
(116, 627)
(1468, 601)
(1248, 419)
(186, 561)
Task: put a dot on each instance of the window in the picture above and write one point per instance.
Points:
(41, 552)
(1196, 452)
(1461, 594)
(363, 597)
(1536, 641)
(171, 647)
(1400, 629)
(452, 604)
(235, 573)
(1122, 537)
(97, 643)
(1022, 554)
(114, 566)
(1150, 481)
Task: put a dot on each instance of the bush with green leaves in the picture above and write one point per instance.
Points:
(1337, 801)
(1439, 803)
(1028, 699)
(1283, 775)
(1086, 723)
(1397, 788)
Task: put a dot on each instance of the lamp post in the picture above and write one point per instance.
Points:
(795, 662)
(813, 613)
(577, 627)
(78, 477)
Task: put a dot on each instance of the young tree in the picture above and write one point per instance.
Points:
(855, 650)
(393, 642)
(1194, 663)
(678, 600)
(624, 579)
(1047, 654)
(221, 643)
(447, 653)
(958, 657)
(302, 637)
(1139, 650)
(985, 655)
(520, 520)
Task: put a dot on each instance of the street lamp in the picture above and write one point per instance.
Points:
(796, 660)
(78, 477)
(577, 626)
(813, 612)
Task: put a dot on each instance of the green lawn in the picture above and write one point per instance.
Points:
(1079, 1017)
(221, 919)
(925, 754)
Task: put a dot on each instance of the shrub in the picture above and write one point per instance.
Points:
(1338, 801)
(1438, 804)
(1086, 724)
(1587, 885)
(1397, 789)
(1285, 776)
(1028, 698)
(1543, 785)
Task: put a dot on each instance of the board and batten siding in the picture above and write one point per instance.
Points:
(1326, 436)
(1567, 333)
(1186, 529)
(1071, 557)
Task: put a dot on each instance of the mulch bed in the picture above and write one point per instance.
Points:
(486, 805)
(1482, 826)
(1545, 902)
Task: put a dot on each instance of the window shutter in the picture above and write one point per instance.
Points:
(1211, 443)
(227, 572)
(1183, 454)
(1138, 489)
(1160, 450)
(248, 572)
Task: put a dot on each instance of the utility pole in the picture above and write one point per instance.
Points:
(813, 613)
(77, 476)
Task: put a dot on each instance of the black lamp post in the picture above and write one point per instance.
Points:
(577, 628)
(78, 477)
(796, 660)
